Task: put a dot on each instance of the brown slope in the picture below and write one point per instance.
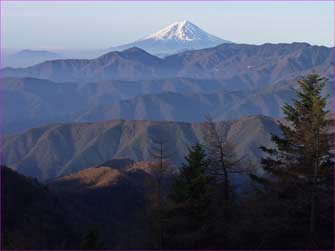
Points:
(54, 150)
(113, 200)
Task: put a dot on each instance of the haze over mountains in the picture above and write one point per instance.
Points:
(79, 135)
(26, 57)
(226, 81)
(252, 65)
(176, 37)
(193, 107)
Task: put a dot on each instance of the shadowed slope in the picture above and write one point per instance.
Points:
(113, 200)
(32, 216)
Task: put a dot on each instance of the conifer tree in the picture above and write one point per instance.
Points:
(304, 153)
(192, 185)
(190, 198)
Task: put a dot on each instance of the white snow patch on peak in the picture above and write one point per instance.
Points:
(182, 31)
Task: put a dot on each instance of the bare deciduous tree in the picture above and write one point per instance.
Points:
(221, 153)
(161, 157)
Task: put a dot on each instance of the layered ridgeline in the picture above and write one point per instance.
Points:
(54, 150)
(239, 64)
(227, 81)
(193, 107)
(33, 102)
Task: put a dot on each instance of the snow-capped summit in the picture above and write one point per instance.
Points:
(183, 31)
(176, 37)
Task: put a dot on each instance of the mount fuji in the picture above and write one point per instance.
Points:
(177, 37)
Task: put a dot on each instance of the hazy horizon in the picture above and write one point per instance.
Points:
(100, 25)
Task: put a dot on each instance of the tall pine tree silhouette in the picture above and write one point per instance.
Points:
(190, 198)
(304, 153)
(192, 185)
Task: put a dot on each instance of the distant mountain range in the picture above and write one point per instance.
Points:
(26, 57)
(252, 65)
(227, 81)
(174, 38)
(59, 149)
(34, 102)
(177, 37)
(193, 107)
(83, 130)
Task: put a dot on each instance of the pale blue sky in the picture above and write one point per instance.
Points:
(70, 25)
